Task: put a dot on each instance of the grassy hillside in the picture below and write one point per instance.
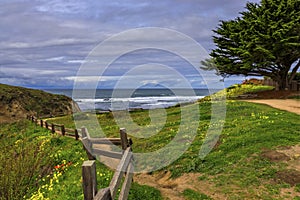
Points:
(17, 102)
(242, 164)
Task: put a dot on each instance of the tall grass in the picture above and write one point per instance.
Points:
(25, 159)
(38, 165)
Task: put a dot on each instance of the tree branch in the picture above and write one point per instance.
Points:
(294, 71)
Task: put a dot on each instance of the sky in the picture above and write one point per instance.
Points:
(49, 43)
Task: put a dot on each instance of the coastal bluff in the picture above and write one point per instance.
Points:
(18, 102)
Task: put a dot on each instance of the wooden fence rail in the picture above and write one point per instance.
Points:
(89, 144)
(90, 180)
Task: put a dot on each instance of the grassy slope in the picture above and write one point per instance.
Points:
(16, 102)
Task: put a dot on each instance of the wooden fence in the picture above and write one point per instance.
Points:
(125, 165)
(56, 128)
(294, 86)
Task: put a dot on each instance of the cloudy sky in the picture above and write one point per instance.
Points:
(44, 43)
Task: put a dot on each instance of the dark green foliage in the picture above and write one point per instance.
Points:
(263, 41)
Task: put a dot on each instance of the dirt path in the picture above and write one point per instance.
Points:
(110, 162)
(172, 189)
(290, 105)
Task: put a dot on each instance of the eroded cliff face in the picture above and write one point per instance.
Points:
(17, 102)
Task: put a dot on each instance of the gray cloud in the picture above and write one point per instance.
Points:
(44, 41)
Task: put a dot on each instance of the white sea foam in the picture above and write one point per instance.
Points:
(134, 102)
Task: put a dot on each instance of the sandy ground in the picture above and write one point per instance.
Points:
(290, 105)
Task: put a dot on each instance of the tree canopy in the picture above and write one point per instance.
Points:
(263, 41)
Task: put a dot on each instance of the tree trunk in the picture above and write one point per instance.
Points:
(283, 83)
(282, 77)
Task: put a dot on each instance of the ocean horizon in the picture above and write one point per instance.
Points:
(129, 99)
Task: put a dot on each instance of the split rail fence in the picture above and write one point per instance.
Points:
(124, 169)
(56, 128)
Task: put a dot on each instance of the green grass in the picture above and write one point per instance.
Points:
(193, 195)
(236, 90)
(67, 120)
(36, 164)
(235, 165)
(142, 192)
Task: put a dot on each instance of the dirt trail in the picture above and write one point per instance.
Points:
(290, 105)
(172, 188)
(110, 162)
(293, 153)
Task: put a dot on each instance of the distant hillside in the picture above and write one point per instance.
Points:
(17, 102)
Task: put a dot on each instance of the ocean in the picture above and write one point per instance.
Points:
(126, 99)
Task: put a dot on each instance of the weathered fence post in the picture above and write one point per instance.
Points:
(41, 123)
(32, 119)
(46, 124)
(76, 134)
(124, 140)
(89, 179)
(63, 130)
(52, 128)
